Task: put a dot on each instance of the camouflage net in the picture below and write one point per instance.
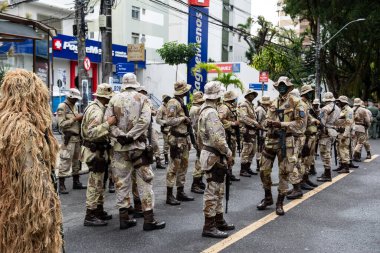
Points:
(30, 216)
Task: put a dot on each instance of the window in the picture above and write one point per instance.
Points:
(143, 11)
(135, 38)
(51, 21)
(136, 12)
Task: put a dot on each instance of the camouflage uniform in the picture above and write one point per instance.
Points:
(261, 113)
(362, 122)
(213, 137)
(366, 144)
(373, 128)
(247, 117)
(329, 114)
(161, 119)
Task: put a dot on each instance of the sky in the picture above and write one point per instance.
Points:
(266, 8)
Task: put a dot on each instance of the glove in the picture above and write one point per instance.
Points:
(124, 140)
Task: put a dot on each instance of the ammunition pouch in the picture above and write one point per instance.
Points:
(218, 172)
(67, 136)
(98, 165)
(174, 151)
(305, 151)
(247, 137)
(147, 156)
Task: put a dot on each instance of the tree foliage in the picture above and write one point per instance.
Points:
(228, 79)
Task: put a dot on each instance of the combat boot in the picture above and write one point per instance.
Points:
(91, 219)
(280, 205)
(125, 221)
(77, 185)
(249, 170)
(339, 168)
(158, 163)
(221, 223)
(150, 223)
(166, 159)
(111, 186)
(101, 214)
(309, 182)
(137, 210)
(267, 201)
(296, 193)
(210, 230)
(243, 170)
(312, 170)
(304, 185)
(352, 165)
(345, 169)
(62, 187)
(234, 178)
(170, 198)
(326, 176)
(201, 184)
(368, 155)
(195, 186)
(257, 165)
(181, 195)
(357, 157)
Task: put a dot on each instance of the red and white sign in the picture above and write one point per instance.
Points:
(224, 67)
(203, 3)
(87, 63)
(264, 77)
(57, 44)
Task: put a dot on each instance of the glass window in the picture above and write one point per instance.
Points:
(135, 38)
(136, 12)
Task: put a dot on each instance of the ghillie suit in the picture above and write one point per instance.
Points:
(30, 216)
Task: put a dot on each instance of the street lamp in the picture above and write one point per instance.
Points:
(318, 48)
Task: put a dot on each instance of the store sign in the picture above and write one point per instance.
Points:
(198, 33)
(203, 3)
(227, 68)
(123, 68)
(136, 52)
(258, 86)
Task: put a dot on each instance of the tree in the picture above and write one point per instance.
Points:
(174, 53)
(207, 67)
(228, 79)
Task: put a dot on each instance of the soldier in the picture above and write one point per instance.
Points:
(179, 142)
(366, 144)
(69, 120)
(197, 186)
(215, 158)
(228, 116)
(156, 148)
(373, 128)
(329, 114)
(161, 119)
(362, 123)
(378, 120)
(285, 115)
(261, 113)
(133, 114)
(343, 126)
(95, 135)
(249, 126)
(315, 111)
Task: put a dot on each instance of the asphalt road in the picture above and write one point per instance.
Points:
(342, 218)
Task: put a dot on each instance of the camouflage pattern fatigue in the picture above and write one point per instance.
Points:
(329, 114)
(344, 122)
(294, 117)
(133, 113)
(179, 143)
(94, 130)
(69, 154)
(308, 160)
(228, 116)
(373, 128)
(156, 148)
(362, 122)
(261, 114)
(247, 116)
(194, 116)
(212, 134)
(161, 118)
(366, 144)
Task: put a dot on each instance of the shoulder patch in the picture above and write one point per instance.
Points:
(302, 114)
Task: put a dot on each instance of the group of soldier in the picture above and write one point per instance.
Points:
(114, 136)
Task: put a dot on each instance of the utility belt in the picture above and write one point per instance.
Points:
(97, 146)
(140, 157)
(219, 170)
(67, 136)
(177, 134)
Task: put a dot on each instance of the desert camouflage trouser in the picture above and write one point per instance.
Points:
(298, 171)
(123, 171)
(325, 144)
(249, 149)
(69, 158)
(156, 148)
(197, 171)
(343, 149)
(233, 147)
(165, 136)
(95, 191)
(308, 155)
(359, 140)
(178, 163)
(366, 144)
(286, 164)
(213, 198)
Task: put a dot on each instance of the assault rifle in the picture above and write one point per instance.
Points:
(190, 128)
(238, 139)
(281, 132)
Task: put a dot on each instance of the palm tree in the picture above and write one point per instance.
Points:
(228, 79)
(206, 66)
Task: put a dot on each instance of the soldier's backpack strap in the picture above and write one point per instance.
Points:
(70, 108)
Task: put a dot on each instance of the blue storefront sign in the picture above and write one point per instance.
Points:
(198, 33)
(258, 86)
(122, 68)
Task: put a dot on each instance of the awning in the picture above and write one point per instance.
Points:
(10, 31)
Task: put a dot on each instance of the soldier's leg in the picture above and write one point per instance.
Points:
(220, 222)
(94, 199)
(233, 149)
(197, 178)
(66, 155)
(325, 150)
(137, 206)
(156, 150)
(289, 170)
(246, 158)
(295, 177)
(344, 153)
(181, 174)
(171, 175)
(166, 147)
(266, 164)
(307, 161)
(76, 167)
(252, 152)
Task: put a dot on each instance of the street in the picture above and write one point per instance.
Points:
(341, 216)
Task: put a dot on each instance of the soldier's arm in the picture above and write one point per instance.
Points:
(115, 131)
(159, 117)
(143, 122)
(243, 117)
(63, 122)
(96, 127)
(217, 133)
(348, 123)
(172, 119)
(223, 115)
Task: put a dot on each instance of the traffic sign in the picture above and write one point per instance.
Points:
(258, 86)
(87, 63)
(264, 77)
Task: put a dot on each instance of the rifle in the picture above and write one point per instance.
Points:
(238, 139)
(335, 154)
(189, 127)
(228, 181)
(281, 132)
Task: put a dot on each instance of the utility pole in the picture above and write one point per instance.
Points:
(318, 61)
(106, 31)
(80, 24)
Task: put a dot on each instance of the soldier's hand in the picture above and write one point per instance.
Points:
(230, 161)
(124, 140)
(236, 123)
(79, 117)
(111, 120)
(187, 120)
(276, 124)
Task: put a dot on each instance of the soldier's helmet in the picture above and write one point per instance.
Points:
(74, 93)
(343, 99)
(198, 97)
(213, 90)
(165, 97)
(283, 79)
(181, 87)
(329, 97)
(316, 102)
(142, 89)
(357, 102)
(230, 95)
(306, 88)
(104, 90)
(295, 92)
(130, 81)
(250, 91)
(265, 100)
